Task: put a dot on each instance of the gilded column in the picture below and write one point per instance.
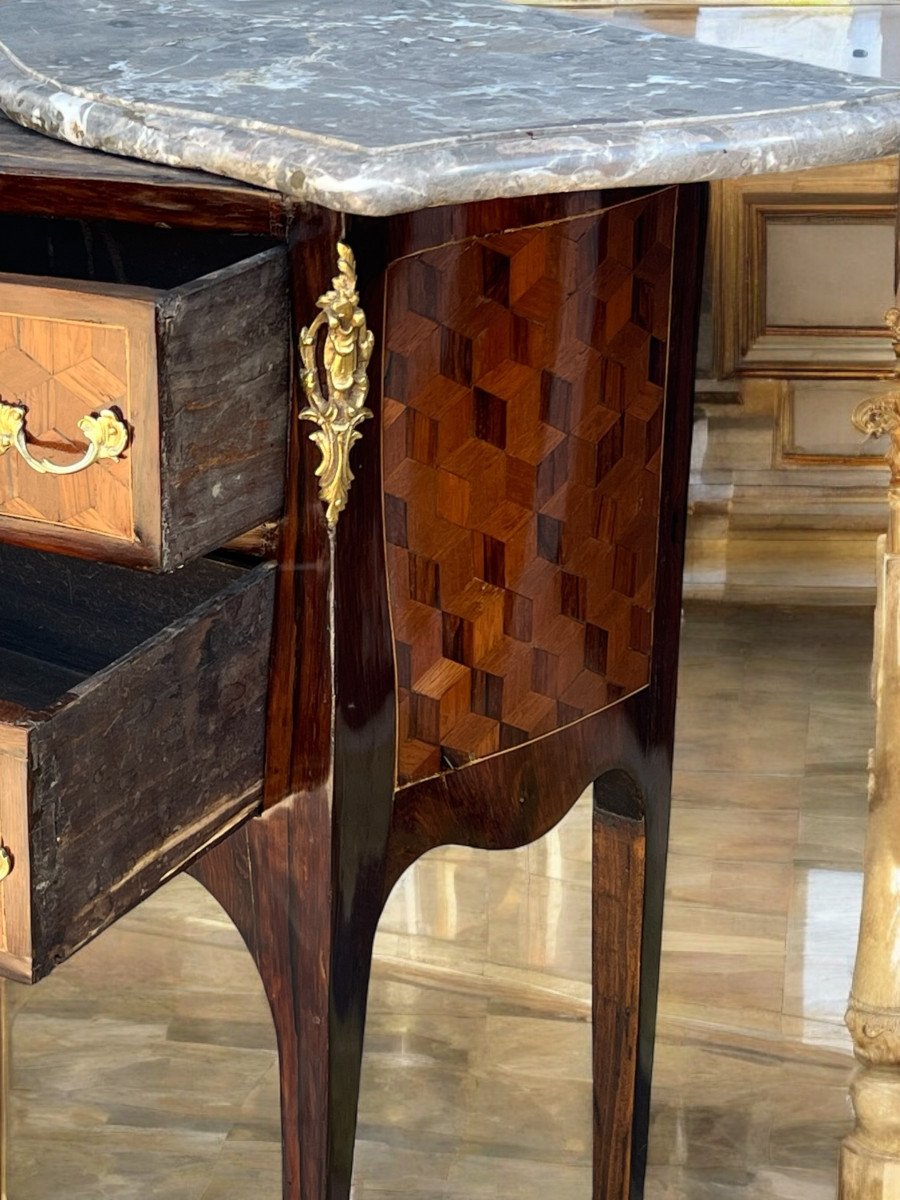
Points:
(870, 1156)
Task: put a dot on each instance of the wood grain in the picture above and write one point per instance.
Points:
(513, 797)
(310, 869)
(15, 899)
(305, 881)
(82, 617)
(523, 422)
(224, 351)
(41, 175)
(619, 854)
(429, 228)
(205, 399)
(66, 352)
(301, 696)
(130, 773)
(657, 719)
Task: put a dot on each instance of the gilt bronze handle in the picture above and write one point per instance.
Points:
(106, 433)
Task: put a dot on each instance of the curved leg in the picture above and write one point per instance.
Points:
(619, 857)
(630, 835)
(303, 881)
(273, 876)
(519, 795)
(631, 812)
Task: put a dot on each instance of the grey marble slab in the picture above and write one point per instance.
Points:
(390, 105)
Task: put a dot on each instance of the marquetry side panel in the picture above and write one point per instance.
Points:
(522, 435)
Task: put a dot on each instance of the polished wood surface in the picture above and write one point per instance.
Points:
(306, 882)
(618, 867)
(317, 856)
(148, 1061)
(65, 353)
(41, 175)
(514, 797)
(523, 426)
(306, 879)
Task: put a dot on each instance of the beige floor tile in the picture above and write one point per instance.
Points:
(146, 1066)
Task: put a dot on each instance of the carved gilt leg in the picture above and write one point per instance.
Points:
(870, 1158)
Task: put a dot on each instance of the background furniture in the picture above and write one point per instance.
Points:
(785, 502)
(870, 1159)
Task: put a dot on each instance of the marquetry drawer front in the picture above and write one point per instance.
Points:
(524, 393)
(138, 425)
(132, 721)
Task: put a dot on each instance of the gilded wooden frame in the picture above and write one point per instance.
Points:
(783, 453)
(740, 210)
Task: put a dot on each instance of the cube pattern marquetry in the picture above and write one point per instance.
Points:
(62, 370)
(523, 417)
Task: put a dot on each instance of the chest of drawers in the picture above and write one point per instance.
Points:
(478, 219)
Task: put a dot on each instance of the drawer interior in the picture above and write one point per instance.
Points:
(66, 619)
(132, 731)
(119, 252)
(33, 683)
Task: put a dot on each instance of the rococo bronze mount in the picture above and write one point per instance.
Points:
(338, 409)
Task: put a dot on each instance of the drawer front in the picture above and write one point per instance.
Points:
(197, 377)
(123, 778)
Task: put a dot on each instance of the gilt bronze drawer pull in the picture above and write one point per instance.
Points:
(5, 863)
(106, 433)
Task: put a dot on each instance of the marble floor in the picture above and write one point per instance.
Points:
(145, 1067)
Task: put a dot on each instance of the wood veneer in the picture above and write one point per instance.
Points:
(206, 405)
(305, 880)
(305, 883)
(41, 175)
(523, 398)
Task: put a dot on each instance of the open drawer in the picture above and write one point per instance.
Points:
(142, 422)
(132, 725)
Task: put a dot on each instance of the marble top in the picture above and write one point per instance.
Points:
(384, 106)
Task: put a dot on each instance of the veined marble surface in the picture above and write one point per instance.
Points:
(394, 105)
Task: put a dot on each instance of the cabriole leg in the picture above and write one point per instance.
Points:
(277, 887)
(619, 857)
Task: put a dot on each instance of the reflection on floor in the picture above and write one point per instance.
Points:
(146, 1067)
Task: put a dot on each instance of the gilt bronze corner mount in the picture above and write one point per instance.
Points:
(338, 408)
